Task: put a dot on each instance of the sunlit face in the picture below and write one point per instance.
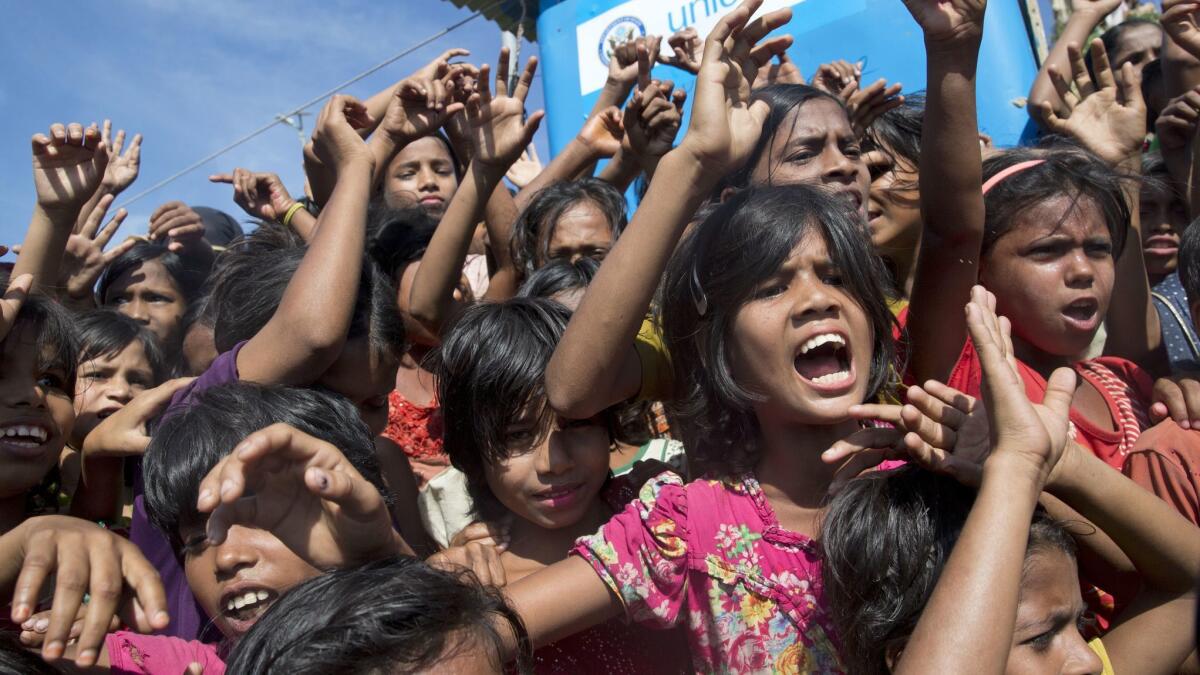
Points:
(581, 230)
(1047, 638)
(815, 145)
(36, 414)
(104, 384)
(251, 568)
(1052, 274)
(421, 174)
(366, 378)
(552, 476)
(149, 295)
(802, 341)
(894, 207)
(1138, 45)
(1164, 218)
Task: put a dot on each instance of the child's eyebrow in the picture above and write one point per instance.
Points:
(1055, 620)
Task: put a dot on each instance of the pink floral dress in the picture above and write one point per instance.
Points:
(711, 555)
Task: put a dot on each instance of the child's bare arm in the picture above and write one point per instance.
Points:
(68, 166)
(499, 134)
(951, 168)
(595, 364)
(1086, 15)
(308, 330)
(968, 622)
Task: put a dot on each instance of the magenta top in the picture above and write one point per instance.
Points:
(711, 556)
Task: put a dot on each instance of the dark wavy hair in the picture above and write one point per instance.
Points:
(885, 539)
(196, 436)
(560, 276)
(897, 132)
(490, 371)
(535, 226)
(395, 615)
(717, 269)
(1066, 170)
(55, 335)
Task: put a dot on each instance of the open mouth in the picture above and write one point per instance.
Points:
(106, 413)
(1083, 311)
(824, 361)
(245, 606)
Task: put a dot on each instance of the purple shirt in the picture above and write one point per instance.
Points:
(187, 618)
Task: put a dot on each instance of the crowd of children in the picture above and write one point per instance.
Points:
(850, 390)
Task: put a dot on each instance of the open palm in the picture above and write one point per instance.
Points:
(726, 124)
(67, 166)
(499, 130)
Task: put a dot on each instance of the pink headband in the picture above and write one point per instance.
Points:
(1010, 171)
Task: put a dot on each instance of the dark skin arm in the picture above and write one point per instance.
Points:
(308, 330)
(951, 180)
(595, 364)
(499, 134)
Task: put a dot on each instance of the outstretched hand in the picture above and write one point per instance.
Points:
(85, 257)
(725, 123)
(83, 558)
(866, 105)
(1105, 117)
(122, 169)
(499, 130)
(687, 48)
(260, 194)
(68, 166)
(283, 480)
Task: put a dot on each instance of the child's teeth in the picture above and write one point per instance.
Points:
(819, 340)
(238, 603)
(833, 378)
(262, 595)
(249, 598)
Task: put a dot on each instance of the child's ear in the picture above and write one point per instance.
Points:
(727, 193)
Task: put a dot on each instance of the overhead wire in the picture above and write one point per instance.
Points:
(313, 101)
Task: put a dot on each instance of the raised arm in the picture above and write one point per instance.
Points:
(1086, 15)
(952, 210)
(68, 166)
(308, 330)
(595, 364)
(968, 622)
(499, 132)
(418, 108)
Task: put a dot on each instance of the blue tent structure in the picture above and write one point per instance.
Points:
(575, 38)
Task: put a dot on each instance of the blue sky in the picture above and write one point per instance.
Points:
(195, 75)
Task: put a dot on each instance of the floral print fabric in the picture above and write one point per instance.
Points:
(711, 556)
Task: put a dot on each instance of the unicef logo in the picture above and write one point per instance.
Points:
(620, 31)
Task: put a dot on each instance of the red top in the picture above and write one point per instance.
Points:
(418, 432)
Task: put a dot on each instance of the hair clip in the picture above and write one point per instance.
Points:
(698, 297)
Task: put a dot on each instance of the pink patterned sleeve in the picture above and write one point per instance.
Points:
(642, 552)
(133, 653)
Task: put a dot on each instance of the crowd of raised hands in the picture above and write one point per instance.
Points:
(846, 388)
